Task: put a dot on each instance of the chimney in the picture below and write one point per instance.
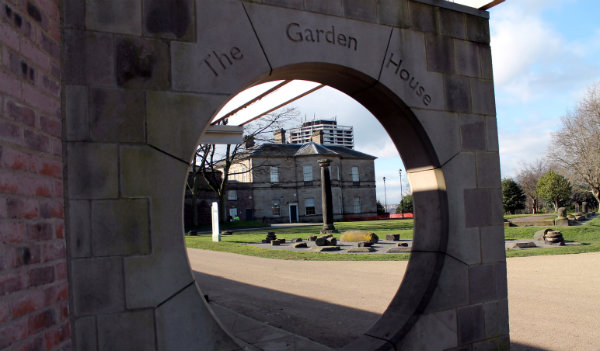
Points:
(317, 137)
(279, 136)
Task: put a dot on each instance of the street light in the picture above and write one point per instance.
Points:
(401, 198)
(384, 196)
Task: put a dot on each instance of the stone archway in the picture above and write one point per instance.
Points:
(142, 80)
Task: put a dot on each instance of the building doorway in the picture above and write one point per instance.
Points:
(294, 213)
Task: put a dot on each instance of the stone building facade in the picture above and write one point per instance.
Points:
(286, 184)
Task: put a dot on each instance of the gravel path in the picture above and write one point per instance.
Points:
(554, 301)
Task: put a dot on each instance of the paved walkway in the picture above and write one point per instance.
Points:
(553, 300)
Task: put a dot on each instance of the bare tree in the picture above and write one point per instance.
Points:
(528, 178)
(212, 164)
(576, 146)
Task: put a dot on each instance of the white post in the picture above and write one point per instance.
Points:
(214, 211)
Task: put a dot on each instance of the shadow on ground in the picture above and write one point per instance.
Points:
(325, 323)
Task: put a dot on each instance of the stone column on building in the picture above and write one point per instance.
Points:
(326, 198)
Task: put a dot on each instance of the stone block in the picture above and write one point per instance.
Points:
(360, 250)
(120, 227)
(142, 63)
(478, 29)
(394, 13)
(477, 203)
(392, 237)
(452, 289)
(184, 115)
(299, 245)
(92, 171)
(226, 56)
(452, 23)
(169, 19)
(473, 132)
(366, 342)
(492, 244)
(405, 71)
(470, 324)
(467, 58)
(292, 4)
(79, 231)
(325, 248)
(458, 94)
(501, 280)
(482, 96)
(364, 10)
(501, 343)
(329, 7)
(488, 169)
(74, 57)
(482, 283)
(485, 58)
(132, 330)
(459, 174)
(443, 130)
(423, 17)
(188, 308)
(89, 58)
(97, 286)
(496, 318)
(561, 222)
(73, 13)
(85, 334)
(117, 115)
(115, 16)
(442, 324)
(398, 249)
(290, 37)
(76, 113)
(430, 226)
(440, 53)
(492, 134)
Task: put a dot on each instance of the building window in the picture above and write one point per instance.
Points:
(276, 208)
(232, 195)
(308, 174)
(233, 213)
(356, 203)
(274, 175)
(309, 204)
(244, 177)
(355, 177)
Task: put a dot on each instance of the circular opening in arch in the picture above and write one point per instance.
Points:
(421, 164)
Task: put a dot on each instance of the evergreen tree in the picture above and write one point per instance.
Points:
(406, 205)
(513, 197)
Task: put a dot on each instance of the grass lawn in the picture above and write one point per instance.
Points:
(588, 235)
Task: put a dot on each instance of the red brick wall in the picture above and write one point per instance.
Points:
(33, 274)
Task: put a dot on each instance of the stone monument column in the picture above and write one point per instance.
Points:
(326, 198)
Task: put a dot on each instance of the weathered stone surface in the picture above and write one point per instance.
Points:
(444, 130)
(499, 343)
(423, 17)
(184, 115)
(392, 237)
(92, 171)
(312, 238)
(120, 227)
(467, 59)
(496, 318)
(275, 242)
(360, 9)
(452, 23)
(440, 54)
(356, 45)
(458, 94)
(97, 285)
(364, 244)
(524, 245)
(360, 249)
(402, 244)
(488, 169)
(473, 132)
(394, 13)
(492, 244)
(453, 286)
(492, 133)
(169, 19)
(76, 113)
(78, 229)
(482, 96)
(478, 29)
(296, 240)
(130, 330)
(470, 324)
(90, 58)
(324, 7)
(299, 245)
(188, 308)
(477, 207)
(117, 115)
(142, 63)
(482, 285)
(399, 249)
(561, 222)
(325, 248)
(419, 337)
(116, 16)
(85, 332)
(226, 55)
(406, 73)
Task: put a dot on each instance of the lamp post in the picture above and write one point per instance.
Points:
(401, 198)
(384, 197)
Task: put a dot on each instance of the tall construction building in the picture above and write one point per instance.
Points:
(333, 134)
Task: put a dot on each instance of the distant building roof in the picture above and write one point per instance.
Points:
(308, 149)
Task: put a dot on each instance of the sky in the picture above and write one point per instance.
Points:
(545, 54)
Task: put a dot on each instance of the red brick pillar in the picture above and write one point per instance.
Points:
(33, 274)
